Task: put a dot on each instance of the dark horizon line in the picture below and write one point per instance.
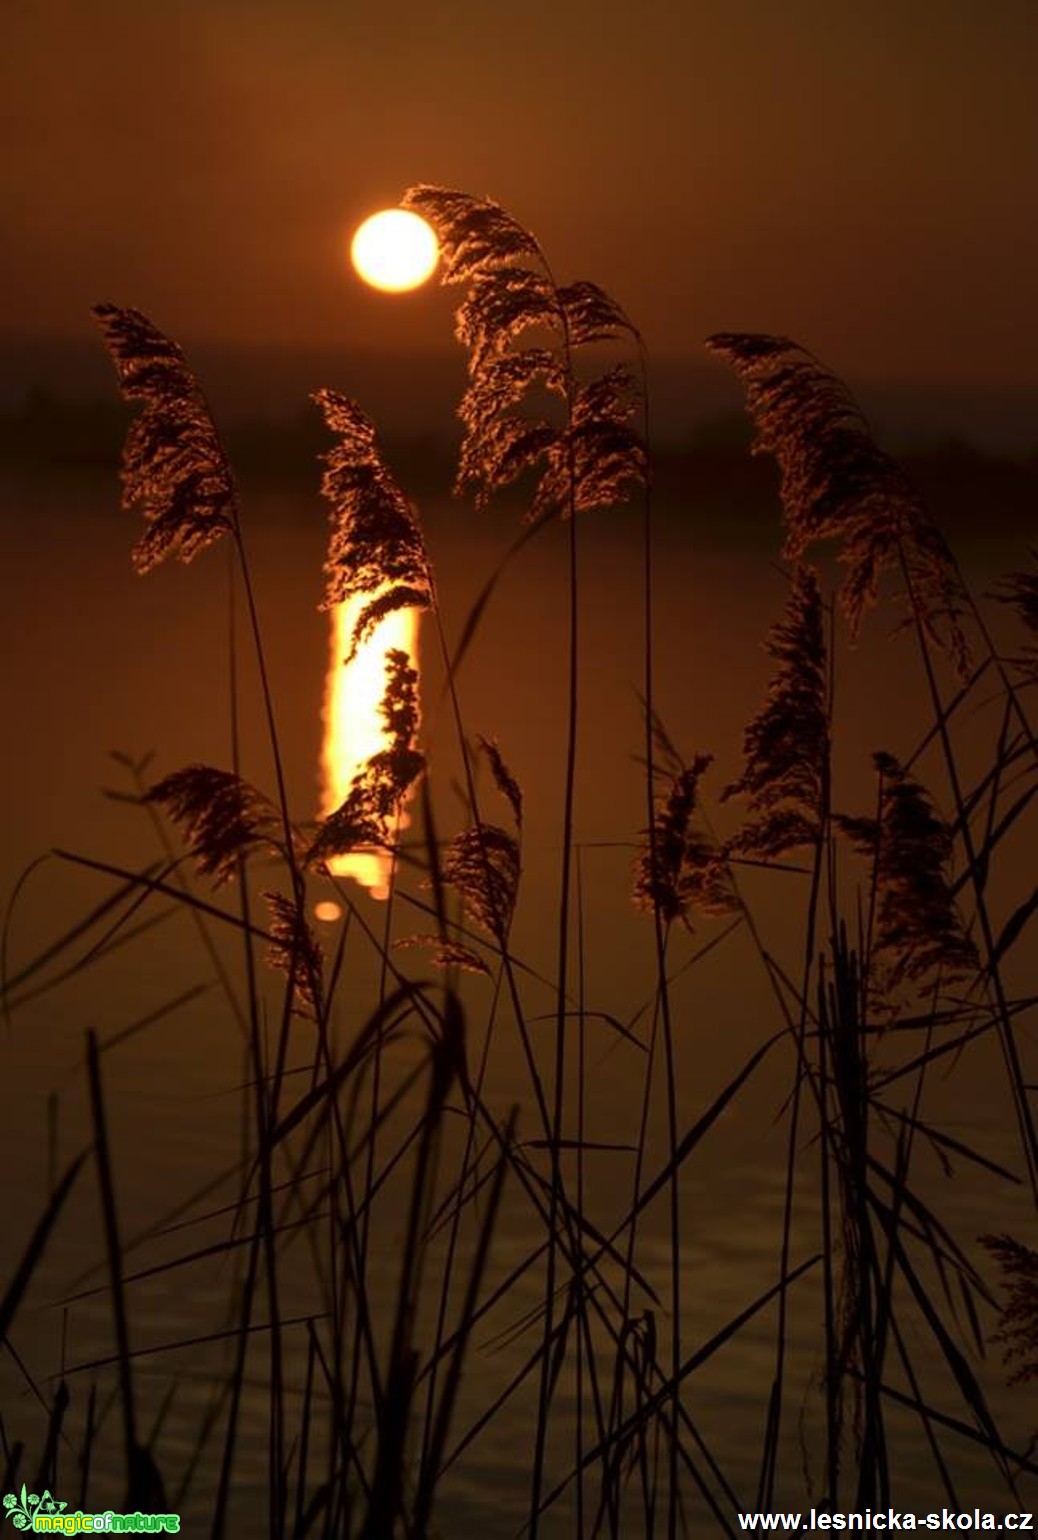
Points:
(711, 470)
(86, 341)
(413, 394)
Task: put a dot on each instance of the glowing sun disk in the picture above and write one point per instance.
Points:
(395, 250)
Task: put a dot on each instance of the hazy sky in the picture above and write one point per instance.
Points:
(859, 175)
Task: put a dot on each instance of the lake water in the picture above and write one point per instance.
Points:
(97, 659)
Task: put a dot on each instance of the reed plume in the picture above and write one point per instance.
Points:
(221, 817)
(482, 863)
(295, 951)
(594, 457)
(1018, 1330)
(786, 746)
(502, 777)
(680, 867)
(174, 470)
(600, 459)
(367, 814)
(592, 315)
(837, 484)
(918, 930)
(446, 952)
(376, 550)
(475, 234)
(503, 302)
(499, 443)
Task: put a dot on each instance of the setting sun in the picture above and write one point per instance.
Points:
(395, 250)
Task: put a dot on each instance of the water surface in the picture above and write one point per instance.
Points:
(98, 660)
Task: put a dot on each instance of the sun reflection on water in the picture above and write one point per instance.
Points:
(354, 729)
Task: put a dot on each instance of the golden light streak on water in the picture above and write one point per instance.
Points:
(353, 726)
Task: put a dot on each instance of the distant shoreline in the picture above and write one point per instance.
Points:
(79, 442)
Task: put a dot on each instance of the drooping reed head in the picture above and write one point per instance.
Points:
(919, 934)
(680, 869)
(376, 552)
(837, 484)
(221, 816)
(369, 812)
(1018, 1330)
(786, 745)
(174, 470)
(522, 332)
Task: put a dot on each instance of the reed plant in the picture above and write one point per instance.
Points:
(387, 1124)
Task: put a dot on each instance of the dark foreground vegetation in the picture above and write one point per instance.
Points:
(908, 963)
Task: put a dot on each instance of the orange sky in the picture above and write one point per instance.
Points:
(859, 175)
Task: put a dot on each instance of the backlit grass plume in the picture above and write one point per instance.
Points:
(588, 450)
(221, 817)
(502, 776)
(1018, 1331)
(918, 930)
(837, 484)
(475, 234)
(367, 815)
(786, 746)
(294, 950)
(445, 952)
(680, 867)
(376, 549)
(600, 457)
(482, 864)
(174, 469)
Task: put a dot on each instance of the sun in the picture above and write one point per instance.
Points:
(395, 250)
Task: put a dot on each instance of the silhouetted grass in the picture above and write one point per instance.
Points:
(900, 972)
